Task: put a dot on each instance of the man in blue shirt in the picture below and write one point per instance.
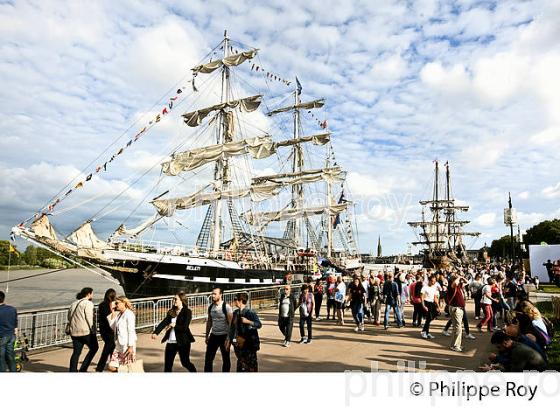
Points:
(8, 331)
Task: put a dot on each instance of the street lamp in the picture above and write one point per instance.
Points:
(510, 218)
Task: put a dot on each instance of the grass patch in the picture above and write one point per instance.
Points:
(553, 351)
(549, 289)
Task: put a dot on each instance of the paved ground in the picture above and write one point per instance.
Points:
(334, 349)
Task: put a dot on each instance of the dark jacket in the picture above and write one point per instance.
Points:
(103, 311)
(292, 310)
(248, 332)
(182, 332)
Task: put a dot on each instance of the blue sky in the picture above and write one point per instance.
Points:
(470, 82)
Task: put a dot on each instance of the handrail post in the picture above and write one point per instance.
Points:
(33, 329)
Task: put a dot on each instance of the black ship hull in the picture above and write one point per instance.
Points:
(145, 279)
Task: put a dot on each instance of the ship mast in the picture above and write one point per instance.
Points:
(222, 167)
(436, 203)
(329, 203)
(297, 166)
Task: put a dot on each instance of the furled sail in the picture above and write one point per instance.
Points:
(84, 237)
(301, 106)
(258, 147)
(330, 175)
(43, 228)
(317, 139)
(233, 60)
(291, 213)
(248, 104)
(124, 231)
(166, 207)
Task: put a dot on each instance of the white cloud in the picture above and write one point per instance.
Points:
(486, 220)
(552, 191)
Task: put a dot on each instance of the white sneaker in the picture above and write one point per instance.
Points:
(430, 336)
(456, 349)
(469, 336)
(303, 340)
(357, 328)
(476, 318)
(424, 335)
(284, 343)
(446, 333)
(287, 344)
(362, 327)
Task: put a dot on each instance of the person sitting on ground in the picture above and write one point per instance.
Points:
(520, 357)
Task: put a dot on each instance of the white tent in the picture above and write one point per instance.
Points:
(538, 255)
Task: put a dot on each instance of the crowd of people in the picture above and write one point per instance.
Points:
(521, 335)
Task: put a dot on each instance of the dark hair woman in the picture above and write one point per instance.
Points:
(105, 330)
(177, 333)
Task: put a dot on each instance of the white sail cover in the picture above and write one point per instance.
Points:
(291, 213)
(301, 106)
(122, 230)
(166, 207)
(330, 175)
(42, 227)
(233, 60)
(248, 104)
(258, 147)
(84, 237)
(316, 139)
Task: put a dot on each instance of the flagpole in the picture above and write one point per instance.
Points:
(9, 262)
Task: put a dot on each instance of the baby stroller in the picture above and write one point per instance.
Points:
(21, 347)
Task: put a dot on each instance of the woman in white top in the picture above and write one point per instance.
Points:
(123, 322)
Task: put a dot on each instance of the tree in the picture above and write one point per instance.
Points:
(30, 255)
(546, 231)
(501, 248)
(5, 257)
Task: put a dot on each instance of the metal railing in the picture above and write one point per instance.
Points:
(45, 328)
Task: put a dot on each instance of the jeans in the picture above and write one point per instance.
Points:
(330, 305)
(303, 320)
(7, 354)
(430, 315)
(396, 311)
(286, 325)
(78, 343)
(418, 314)
(171, 350)
(358, 313)
(375, 307)
(108, 347)
(215, 342)
(477, 306)
(318, 303)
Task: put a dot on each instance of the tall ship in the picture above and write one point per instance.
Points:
(255, 176)
(440, 231)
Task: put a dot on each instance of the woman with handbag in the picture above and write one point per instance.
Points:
(177, 334)
(123, 322)
(244, 335)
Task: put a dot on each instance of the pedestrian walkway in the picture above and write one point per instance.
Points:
(334, 349)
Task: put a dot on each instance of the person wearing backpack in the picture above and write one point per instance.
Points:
(306, 304)
(244, 335)
(391, 299)
(486, 303)
(82, 329)
(218, 322)
(476, 291)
